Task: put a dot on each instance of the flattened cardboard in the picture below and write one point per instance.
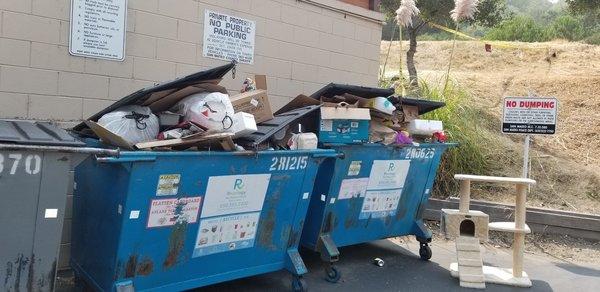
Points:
(411, 112)
(168, 101)
(299, 102)
(260, 81)
(108, 137)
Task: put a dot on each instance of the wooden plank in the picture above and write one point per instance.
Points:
(539, 220)
(535, 209)
(182, 142)
(542, 216)
(497, 179)
(534, 215)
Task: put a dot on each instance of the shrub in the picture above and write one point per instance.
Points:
(519, 28)
(568, 27)
(464, 125)
(594, 38)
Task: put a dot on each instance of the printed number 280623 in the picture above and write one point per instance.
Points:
(288, 163)
(12, 162)
(420, 153)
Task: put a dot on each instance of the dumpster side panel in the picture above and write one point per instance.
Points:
(53, 190)
(435, 164)
(19, 190)
(315, 215)
(97, 215)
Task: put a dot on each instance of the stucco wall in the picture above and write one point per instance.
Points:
(300, 46)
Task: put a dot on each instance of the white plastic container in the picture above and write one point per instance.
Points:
(243, 124)
(425, 127)
(303, 141)
(381, 104)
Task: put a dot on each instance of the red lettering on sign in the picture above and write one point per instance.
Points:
(537, 104)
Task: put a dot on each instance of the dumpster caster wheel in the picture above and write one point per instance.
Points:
(425, 252)
(333, 274)
(299, 285)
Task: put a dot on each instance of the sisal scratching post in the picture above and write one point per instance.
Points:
(513, 277)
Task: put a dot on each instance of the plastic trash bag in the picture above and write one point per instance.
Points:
(213, 111)
(133, 123)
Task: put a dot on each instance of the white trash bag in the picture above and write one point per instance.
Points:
(212, 111)
(133, 123)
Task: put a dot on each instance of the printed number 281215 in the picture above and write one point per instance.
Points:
(288, 163)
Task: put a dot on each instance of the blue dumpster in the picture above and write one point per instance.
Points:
(170, 221)
(374, 192)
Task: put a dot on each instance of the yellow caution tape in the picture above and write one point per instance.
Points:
(458, 33)
(500, 44)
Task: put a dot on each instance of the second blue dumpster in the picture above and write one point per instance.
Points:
(374, 192)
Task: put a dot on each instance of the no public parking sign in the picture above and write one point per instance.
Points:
(529, 115)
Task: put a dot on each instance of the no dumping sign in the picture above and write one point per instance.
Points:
(529, 115)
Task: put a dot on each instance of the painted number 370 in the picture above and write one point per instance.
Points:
(12, 162)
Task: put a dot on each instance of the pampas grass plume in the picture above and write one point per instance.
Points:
(406, 11)
(464, 9)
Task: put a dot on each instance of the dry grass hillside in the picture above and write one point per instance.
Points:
(566, 165)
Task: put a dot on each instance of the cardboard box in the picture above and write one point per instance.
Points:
(344, 125)
(255, 102)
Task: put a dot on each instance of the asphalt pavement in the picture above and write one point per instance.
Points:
(405, 271)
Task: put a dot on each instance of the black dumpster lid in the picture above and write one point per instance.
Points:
(35, 133)
(267, 129)
(142, 95)
(333, 89)
(423, 105)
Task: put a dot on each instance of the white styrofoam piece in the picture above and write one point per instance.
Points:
(425, 127)
(243, 124)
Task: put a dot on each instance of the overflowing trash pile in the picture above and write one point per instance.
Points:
(195, 112)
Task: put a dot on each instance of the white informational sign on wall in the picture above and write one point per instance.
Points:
(228, 37)
(529, 115)
(98, 29)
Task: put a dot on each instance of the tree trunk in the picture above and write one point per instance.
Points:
(410, 58)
